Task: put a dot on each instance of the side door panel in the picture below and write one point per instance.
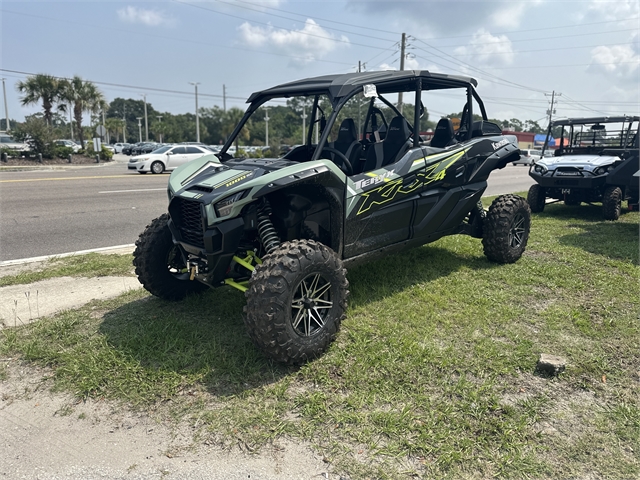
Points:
(177, 157)
(380, 205)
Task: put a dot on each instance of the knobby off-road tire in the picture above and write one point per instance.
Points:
(296, 301)
(159, 265)
(506, 229)
(611, 199)
(536, 198)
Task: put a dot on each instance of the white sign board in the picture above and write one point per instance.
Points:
(97, 145)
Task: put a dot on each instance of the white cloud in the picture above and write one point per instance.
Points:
(310, 43)
(151, 18)
(620, 61)
(488, 49)
(615, 10)
(438, 17)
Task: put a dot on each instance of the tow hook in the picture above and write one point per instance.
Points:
(194, 268)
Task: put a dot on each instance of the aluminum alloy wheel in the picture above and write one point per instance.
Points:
(517, 231)
(157, 167)
(311, 305)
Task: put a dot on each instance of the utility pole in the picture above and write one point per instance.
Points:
(106, 139)
(6, 108)
(224, 98)
(124, 126)
(402, 47)
(195, 84)
(304, 123)
(159, 117)
(139, 129)
(146, 123)
(71, 121)
(550, 112)
(266, 126)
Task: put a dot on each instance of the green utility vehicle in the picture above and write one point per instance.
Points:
(283, 229)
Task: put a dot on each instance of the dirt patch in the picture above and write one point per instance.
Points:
(53, 435)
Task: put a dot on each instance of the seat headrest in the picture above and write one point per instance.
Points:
(347, 132)
(398, 130)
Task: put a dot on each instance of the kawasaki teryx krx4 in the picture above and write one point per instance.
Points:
(363, 182)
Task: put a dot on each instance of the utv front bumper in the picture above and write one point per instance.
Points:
(573, 178)
(211, 247)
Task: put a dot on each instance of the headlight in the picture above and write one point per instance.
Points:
(541, 169)
(223, 207)
(603, 170)
(143, 159)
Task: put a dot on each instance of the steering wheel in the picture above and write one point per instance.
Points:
(348, 169)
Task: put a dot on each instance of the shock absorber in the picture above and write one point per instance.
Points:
(266, 230)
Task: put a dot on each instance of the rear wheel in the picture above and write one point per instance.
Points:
(296, 301)
(611, 203)
(536, 198)
(506, 229)
(159, 264)
(157, 167)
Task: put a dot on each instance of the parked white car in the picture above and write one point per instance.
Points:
(529, 157)
(119, 147)
(7, 141)
(69, 143)
(166, 158)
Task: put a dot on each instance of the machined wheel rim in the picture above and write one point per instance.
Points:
(311, 304)
(157, 168)
(517, 231)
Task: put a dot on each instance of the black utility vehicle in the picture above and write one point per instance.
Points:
(283, 229)
(595, 162)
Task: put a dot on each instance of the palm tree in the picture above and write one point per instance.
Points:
(84, 96)
(230, 119)
(114, 126)
(42, 87)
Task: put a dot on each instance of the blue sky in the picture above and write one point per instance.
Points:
(517, 50)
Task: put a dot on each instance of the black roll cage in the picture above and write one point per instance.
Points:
(409, 83)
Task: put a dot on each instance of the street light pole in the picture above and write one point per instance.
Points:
(159, 117)
(139, 129)
(266, 126)
(71, 121)
(6, 108)
(195, 84)
(146, 123)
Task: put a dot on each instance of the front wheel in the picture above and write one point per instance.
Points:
(159, 263)
(611, 203)
(506, 229)
(296, 301)
(536, 198)
(157, 167)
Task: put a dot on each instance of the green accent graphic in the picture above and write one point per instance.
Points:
(392, 189)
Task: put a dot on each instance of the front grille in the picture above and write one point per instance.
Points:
(187, 215)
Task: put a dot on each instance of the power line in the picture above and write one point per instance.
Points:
(165, 37)
(262, 8)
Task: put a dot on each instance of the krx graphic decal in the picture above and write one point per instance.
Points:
(394, 188)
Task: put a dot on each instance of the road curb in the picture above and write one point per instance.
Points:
(118, 249)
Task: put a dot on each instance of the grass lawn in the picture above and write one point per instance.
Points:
(433, 371)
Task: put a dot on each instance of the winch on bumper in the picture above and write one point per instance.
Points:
(208, 250)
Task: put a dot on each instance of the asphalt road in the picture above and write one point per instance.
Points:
(49, 212)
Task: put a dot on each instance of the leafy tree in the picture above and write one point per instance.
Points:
(114, 127)
(84, 96)
(229, 122)
(130, 110)
(38, 134)
(42, 88)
